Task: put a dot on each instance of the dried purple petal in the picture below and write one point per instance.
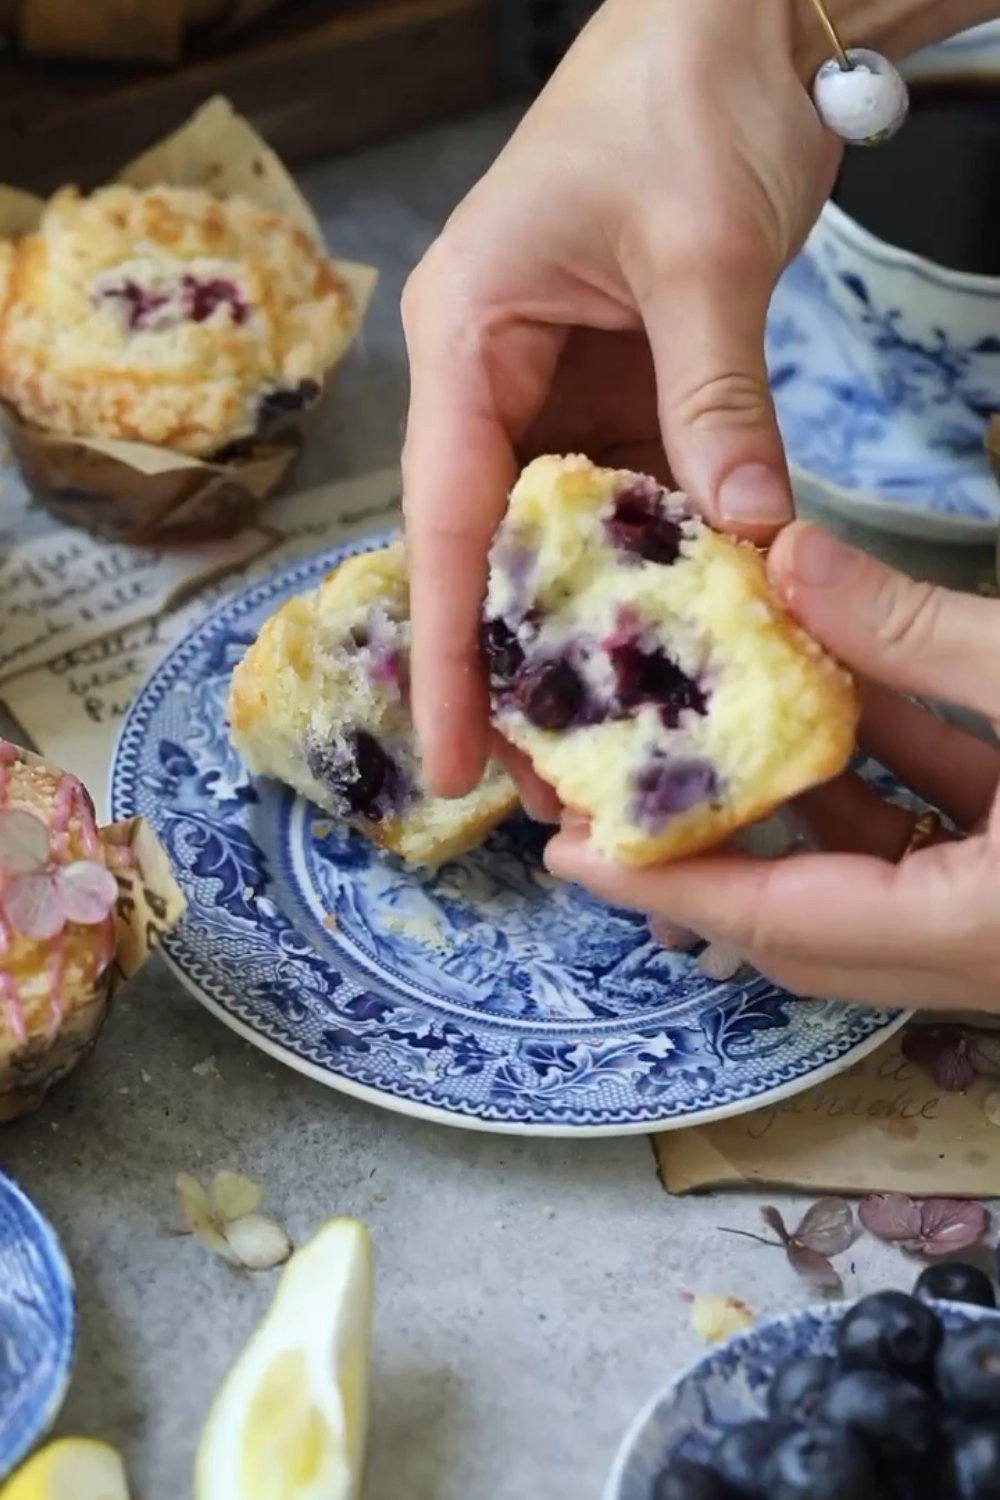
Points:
(890, 1216)
(954, 1070)
(924, 1044)
(772, 1218)
(814, 1268)
(984, 1053)
(948, 1225)
(33, 904)
(828, 1227)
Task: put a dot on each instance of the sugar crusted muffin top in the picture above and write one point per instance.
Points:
(167, 316)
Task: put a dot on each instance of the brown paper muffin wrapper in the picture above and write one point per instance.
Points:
(134, 492)
(150, 903)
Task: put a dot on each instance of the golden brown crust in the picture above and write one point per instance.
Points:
(183, 368)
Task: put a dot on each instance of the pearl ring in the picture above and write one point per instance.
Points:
(858, 94)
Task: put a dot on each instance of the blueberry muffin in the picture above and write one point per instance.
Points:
(642, 663)
(58, 938)
(167, 316)
(320, 702)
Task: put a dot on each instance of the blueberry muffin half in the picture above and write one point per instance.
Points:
(167, 316)
(642, 663)
(321, 702)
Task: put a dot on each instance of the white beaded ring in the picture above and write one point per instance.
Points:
(858, 94)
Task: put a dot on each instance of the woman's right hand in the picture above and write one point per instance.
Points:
(604, 289)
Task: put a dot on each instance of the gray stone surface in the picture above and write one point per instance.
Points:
(528, 1292)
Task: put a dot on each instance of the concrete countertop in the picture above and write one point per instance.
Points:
(527, 1291)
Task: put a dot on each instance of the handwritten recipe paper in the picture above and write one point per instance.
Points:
(881, 1126)
(72, 706)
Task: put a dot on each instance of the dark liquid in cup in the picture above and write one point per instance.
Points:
(935, 187)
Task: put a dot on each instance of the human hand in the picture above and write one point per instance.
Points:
(864, 921)
(604, 289)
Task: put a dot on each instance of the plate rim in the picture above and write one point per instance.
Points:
(12, 1458)
(269, 586)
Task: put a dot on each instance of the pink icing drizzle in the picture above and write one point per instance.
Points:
(8, 988)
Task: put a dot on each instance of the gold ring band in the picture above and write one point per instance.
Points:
(925, 829)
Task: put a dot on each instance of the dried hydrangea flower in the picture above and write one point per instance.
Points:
(40, 895)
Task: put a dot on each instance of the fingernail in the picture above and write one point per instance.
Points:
(818, 559)
(755, 495)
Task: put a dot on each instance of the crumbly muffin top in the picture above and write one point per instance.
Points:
(166, 316)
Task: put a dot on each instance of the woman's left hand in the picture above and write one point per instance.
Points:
(864, 920)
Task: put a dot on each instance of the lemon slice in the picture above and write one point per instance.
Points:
(71, 1469)
(291, 1419)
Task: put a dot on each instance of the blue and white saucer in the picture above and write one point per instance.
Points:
(37, 1326)
(483, 994)
(881, 427)
(729, 1385)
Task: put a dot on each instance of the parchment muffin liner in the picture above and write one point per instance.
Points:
(136, 492)
(149, 904)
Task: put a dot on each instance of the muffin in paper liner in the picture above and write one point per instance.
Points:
(81, 908)
(171, 488)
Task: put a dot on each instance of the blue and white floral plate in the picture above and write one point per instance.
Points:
(37, 1326)
(484, 994)
(729, 1385)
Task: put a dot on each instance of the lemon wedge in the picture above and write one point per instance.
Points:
(70, 1469)
(291, 1419)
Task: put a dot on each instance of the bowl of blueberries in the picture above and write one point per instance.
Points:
(893, 1397)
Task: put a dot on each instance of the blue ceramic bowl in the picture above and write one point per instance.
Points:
(726, 1385)
(37, 1326)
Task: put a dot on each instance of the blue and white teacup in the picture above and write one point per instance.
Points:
(886, 366)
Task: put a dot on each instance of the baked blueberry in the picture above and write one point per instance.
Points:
(552, 694)
(650, 676)
(955, 1281)
(743, 1451)
(686, 1480)
(361, 776)
(820, 1463)
(796, 1389)
(892, 1332)
(968, 1371)
(897, 1420)
(283, 401)
(665, 788)
(974, 1469)
(639, 524)
(502, 650)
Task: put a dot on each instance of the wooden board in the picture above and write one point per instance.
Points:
(315, 79)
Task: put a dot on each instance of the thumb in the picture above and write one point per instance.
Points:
(717, 419)
(911, 636)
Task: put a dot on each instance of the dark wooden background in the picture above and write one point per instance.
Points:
(317, 77)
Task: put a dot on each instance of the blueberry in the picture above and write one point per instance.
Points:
(502, 650)
(666, 788)
(643, 676)
(954, 1281)
(201, 298)
(892, 1332)
(968, 1371)
(897, 1420)
(552, 694)
(742, 1452)
(639, 525)
(361, 776)
(975, 1464)
(283, 401)
(820, 1463)
(684, 1480)
(796, 1389)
